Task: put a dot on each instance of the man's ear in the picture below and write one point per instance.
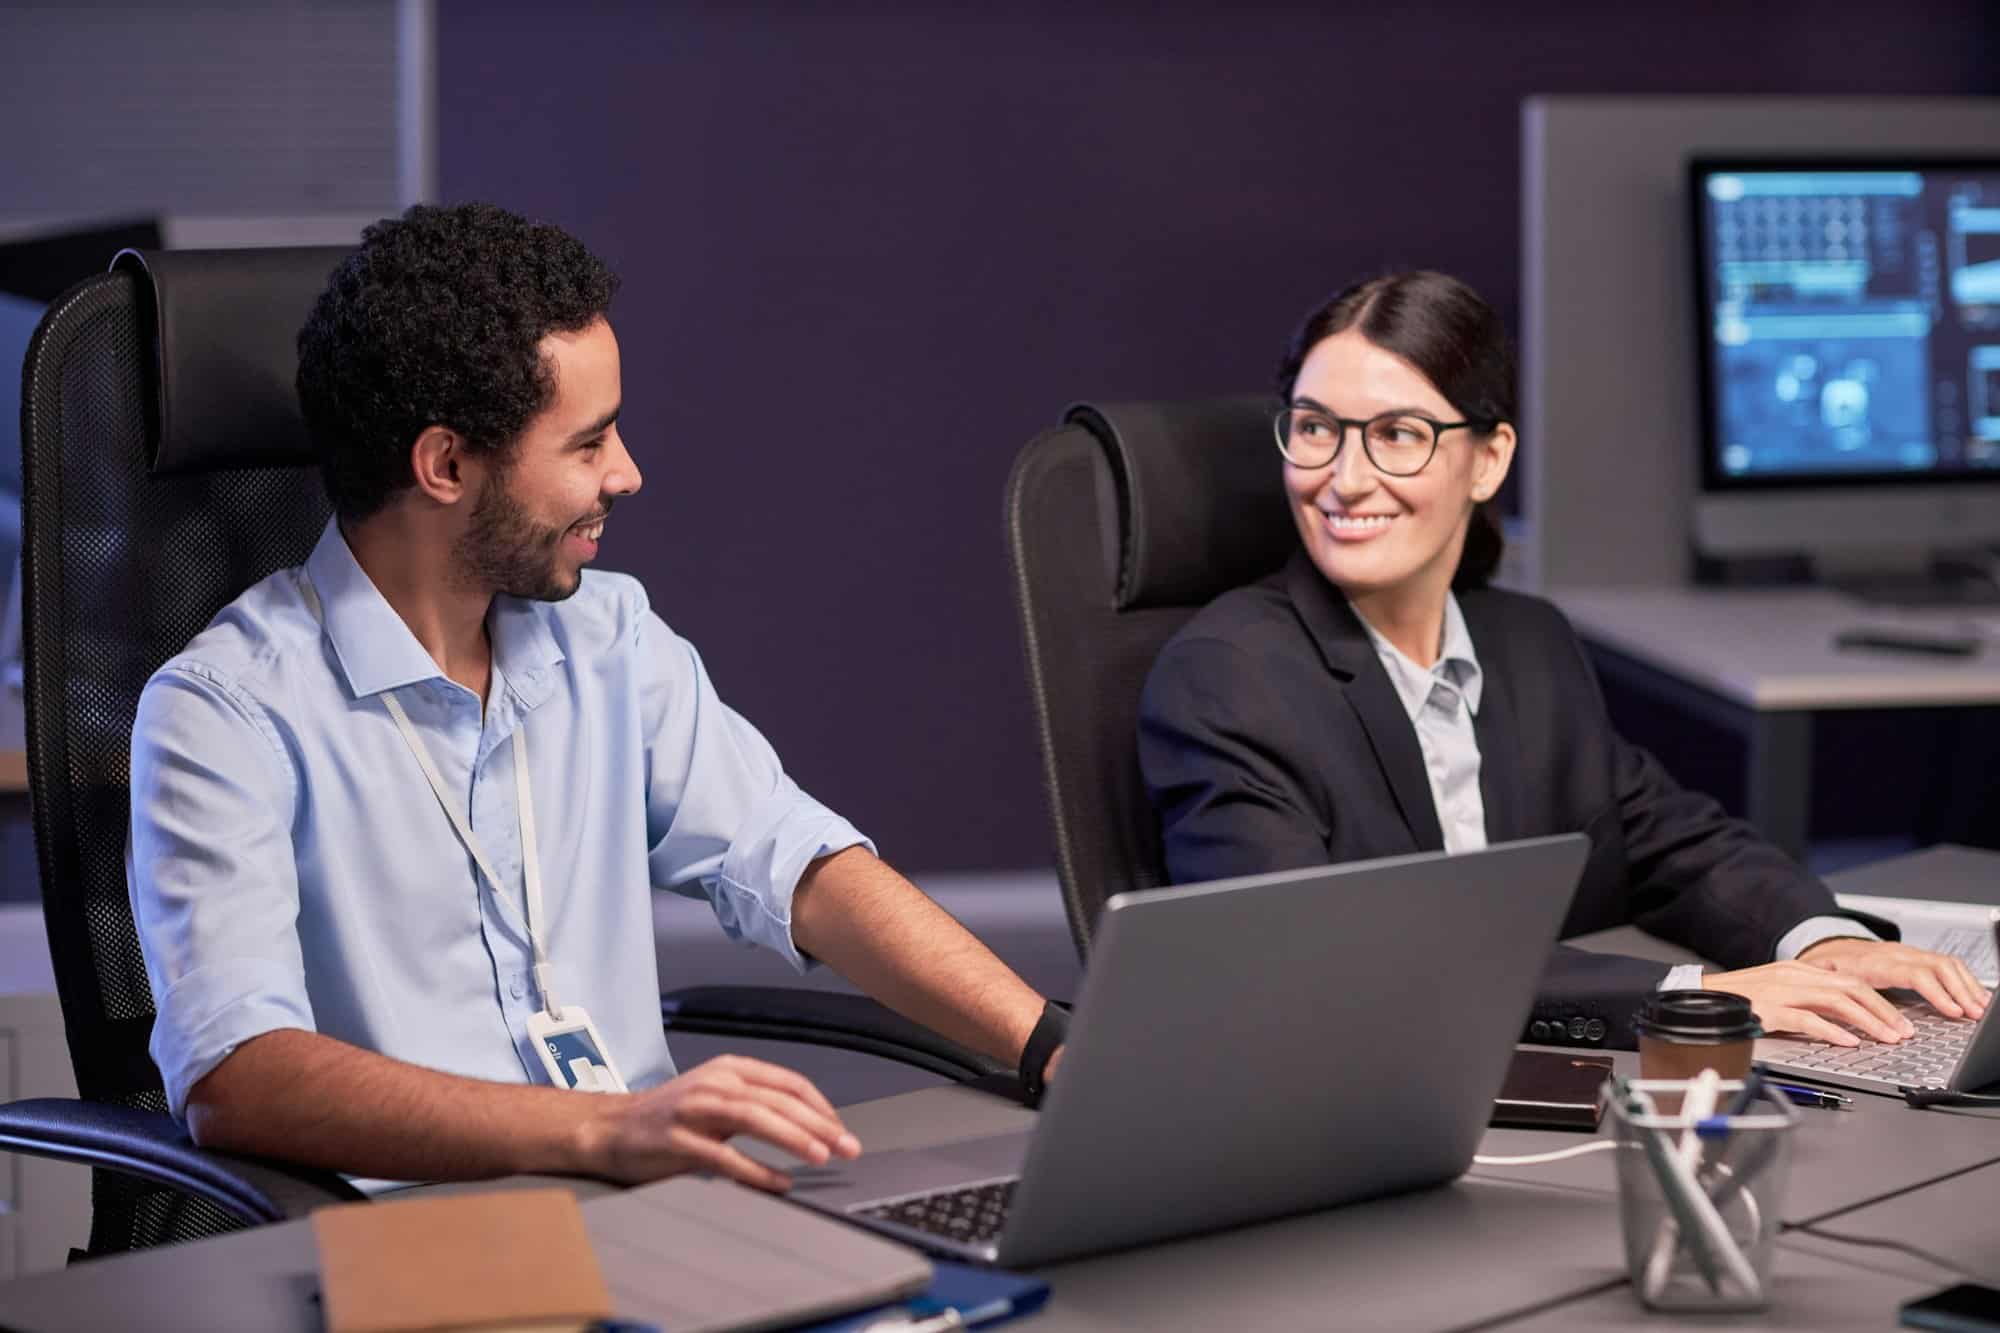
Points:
(438, 464)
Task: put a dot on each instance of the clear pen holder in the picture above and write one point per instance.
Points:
(1700, 1201)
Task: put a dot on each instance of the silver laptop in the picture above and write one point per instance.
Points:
(1948, 1053)
(1247, 1049)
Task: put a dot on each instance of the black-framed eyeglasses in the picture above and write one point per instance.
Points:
(1399, 444)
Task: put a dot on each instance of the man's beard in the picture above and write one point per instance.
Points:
(505, 550)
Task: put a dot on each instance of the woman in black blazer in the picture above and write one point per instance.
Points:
(1375, 697)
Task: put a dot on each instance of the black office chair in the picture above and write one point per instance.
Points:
(166, 470)
(1121, 524)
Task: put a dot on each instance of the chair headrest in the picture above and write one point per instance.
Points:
(1201, 498)
(224, 327)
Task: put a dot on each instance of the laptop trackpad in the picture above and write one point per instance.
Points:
(874, 1177)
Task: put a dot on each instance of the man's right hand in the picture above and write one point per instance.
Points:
(686, 1123)
(1813, 1002)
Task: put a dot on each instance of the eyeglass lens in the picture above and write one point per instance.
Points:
(1396, 443)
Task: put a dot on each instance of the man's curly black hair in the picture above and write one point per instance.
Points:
(437, 320)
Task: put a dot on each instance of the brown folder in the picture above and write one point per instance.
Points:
(1552, 1090)
(504, 1259)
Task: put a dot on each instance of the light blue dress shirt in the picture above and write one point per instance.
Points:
(289, 866)
(1442, 700)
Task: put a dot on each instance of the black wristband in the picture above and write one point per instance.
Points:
(1051, 1031)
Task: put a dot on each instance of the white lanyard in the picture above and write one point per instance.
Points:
(524, 801)
(531, 871)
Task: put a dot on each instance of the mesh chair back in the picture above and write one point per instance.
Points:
(120, 569)
(1121, 523)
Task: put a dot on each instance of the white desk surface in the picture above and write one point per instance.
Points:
(1772, 649)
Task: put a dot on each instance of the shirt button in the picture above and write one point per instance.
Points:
(516, 989)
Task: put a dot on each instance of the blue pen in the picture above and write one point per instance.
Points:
(1800, 1095)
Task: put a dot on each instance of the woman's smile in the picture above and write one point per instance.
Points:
(1356, 527)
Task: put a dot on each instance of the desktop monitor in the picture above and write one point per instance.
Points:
(1848, 317)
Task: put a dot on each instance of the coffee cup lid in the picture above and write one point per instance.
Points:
(1705, 1017)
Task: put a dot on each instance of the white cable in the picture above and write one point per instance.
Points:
(1536, 1159)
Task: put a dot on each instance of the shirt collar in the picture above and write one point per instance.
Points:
(376, 649)
(1457, 663)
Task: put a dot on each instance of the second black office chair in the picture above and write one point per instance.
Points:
(166, 470)
(1121, 523)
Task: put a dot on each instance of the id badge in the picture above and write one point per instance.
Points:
(572, 1052)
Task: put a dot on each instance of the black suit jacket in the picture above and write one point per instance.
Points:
(1271, 738)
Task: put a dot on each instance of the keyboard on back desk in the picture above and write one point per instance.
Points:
(971, 1216)
(1924, 1061)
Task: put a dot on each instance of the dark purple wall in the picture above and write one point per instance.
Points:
(868, 254)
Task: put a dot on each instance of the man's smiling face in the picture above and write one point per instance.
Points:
(541, 507)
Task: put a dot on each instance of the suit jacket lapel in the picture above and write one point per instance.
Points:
(1345, 646)
(1498, 730)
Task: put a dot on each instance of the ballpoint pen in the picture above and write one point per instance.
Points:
(1672, 1162)
(1800, 1095)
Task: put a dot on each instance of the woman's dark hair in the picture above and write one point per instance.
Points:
(437, 320)
(1440, 326)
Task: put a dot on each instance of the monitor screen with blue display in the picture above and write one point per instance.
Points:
(1849, 322)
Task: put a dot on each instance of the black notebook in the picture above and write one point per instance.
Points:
(1552, 1090)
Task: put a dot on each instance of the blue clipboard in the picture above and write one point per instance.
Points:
(981, 1296)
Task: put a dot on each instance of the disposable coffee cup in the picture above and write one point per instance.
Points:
(1682, 1032)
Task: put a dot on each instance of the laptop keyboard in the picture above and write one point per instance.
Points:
(970, 1216)
(1926, 1060)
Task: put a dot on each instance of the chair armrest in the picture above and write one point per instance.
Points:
(156, 1147)
(820, 1018)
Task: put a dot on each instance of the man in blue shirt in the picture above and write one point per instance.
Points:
(395, 813)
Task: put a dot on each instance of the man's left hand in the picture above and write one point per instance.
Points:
(1944, 981)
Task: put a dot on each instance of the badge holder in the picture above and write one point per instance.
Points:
(572, 1052)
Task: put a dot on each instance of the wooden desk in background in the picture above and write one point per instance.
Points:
(13, 770)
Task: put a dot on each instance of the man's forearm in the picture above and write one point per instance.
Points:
(854, 913)
(313, 1100)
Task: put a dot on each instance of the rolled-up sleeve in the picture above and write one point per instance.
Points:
(723, 819)
(211, 874)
